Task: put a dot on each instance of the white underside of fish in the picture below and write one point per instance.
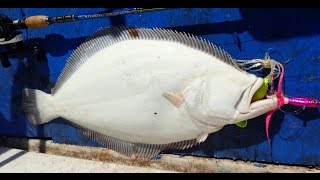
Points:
(124, 97)
(148, 90)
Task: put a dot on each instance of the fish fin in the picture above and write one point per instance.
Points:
(38, 106)
(202, 138)
(174, 98)
(132, 149)
(108, 36)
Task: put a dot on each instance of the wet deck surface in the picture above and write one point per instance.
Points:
(46, 156)
(19, 161)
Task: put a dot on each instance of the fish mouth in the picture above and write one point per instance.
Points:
(246, 98)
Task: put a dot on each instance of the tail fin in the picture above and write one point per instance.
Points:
(38, 106)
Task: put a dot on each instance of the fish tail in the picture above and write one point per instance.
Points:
(38, 106)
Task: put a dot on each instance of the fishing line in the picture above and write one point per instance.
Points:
(301, 109)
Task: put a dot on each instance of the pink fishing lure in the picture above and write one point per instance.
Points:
(299, 101)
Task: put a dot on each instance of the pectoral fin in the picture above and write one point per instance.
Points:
(174, 98)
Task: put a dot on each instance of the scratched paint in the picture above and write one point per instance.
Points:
(244, 33)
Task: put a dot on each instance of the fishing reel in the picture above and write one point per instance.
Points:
(12, 42)
(10, 39)
(8, 32)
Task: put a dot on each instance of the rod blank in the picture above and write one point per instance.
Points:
(40, 21)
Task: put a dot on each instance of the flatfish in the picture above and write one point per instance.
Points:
(139, 91)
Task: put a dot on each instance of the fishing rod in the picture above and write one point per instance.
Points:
(9, 30)
(11, 39)
(41, 21)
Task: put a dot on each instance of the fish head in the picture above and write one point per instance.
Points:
(231, 97)
(224, 99)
